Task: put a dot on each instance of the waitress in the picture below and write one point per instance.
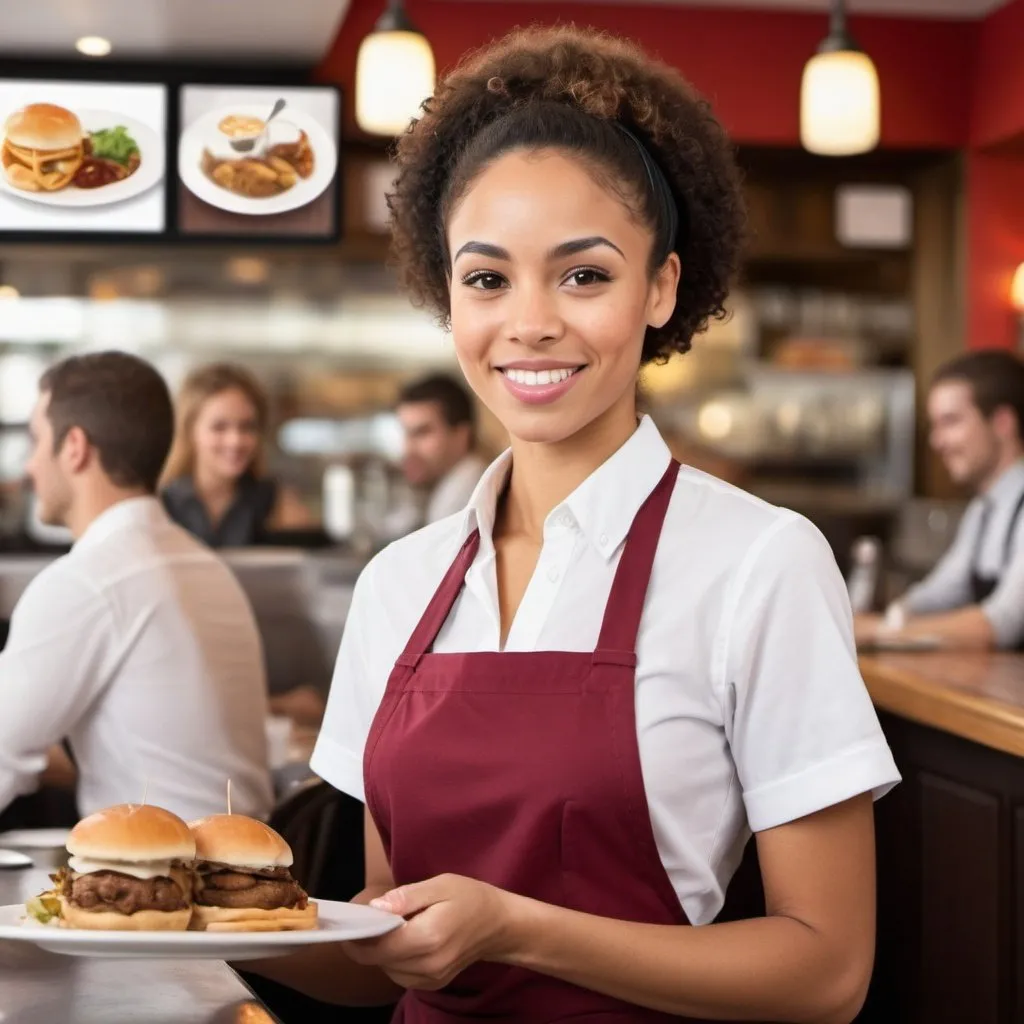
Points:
(215, 481)
(568, 706)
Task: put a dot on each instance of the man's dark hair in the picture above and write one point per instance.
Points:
(453, 399)
(995, 377)
(124, 408)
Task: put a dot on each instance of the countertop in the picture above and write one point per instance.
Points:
(975, 695)
(46, 988)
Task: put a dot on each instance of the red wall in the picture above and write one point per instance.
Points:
(945, 85)
(995, 245)
(997, 111)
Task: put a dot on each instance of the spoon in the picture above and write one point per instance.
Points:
(14, 859)
(247, 145)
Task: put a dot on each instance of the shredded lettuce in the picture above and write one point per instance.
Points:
(44, 907)
(114, 144)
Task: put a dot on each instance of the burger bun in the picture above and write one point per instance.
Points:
(132, 833)
(111, 921)
(240, 842)
(228, 919)
(44, 126)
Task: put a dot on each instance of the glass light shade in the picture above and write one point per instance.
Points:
(1017, 289)
(839, 104)
(394, 75)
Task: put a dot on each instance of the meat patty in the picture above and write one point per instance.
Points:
(110, 890)
(239, 890)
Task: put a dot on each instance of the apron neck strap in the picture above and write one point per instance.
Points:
(441, 604)
(629, 588)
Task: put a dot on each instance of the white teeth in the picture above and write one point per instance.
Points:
(537, 378)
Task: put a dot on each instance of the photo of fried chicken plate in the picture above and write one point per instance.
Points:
(243, 881)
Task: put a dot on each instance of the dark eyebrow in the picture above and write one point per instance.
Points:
(578, 245)
(559, 252)
(494, 252)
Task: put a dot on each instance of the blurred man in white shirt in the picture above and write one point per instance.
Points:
(974, 597)
(139, 646)
(439, 426)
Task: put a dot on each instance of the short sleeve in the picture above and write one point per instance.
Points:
(803, 732)
(360, 678)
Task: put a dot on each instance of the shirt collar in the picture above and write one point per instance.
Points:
(1008, 486)
(123, 514)
(603, 507)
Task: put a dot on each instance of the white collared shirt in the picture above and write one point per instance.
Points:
(981, 545)
(141, 648)
(750, 708)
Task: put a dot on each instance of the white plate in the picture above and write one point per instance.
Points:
(150, 172)
(338, 922)
(36, 838)
(194, 141)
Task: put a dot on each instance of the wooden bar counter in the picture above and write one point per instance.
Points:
(950, 839)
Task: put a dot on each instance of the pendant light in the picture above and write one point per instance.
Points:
(394, 73)
(839, 95)
(1016, 289)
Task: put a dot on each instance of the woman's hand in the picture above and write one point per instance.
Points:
(452, 922)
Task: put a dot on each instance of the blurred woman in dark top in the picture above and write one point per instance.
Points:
(215, 484)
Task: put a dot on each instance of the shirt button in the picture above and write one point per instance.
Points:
(603, 540)
(552, 575)
(567, 520)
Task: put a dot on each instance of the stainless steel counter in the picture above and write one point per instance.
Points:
(46, 988)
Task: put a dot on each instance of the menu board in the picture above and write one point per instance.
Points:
(82, 157)
(259, 161)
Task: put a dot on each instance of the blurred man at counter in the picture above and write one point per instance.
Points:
(974, 597)
(439, 426)
(138, 646)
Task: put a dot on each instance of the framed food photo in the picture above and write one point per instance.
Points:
(258, 163)
(82, 159)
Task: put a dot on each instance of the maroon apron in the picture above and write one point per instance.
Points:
(522, 770)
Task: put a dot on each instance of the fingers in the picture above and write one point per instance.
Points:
(411, 899)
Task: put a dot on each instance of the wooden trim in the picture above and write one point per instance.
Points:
(922, 698)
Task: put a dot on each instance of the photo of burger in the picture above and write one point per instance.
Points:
(130, 869)
(243, 881)
(43, 148)
(54, 155)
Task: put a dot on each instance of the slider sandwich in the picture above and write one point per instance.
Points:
(130, 869)
(242, 879)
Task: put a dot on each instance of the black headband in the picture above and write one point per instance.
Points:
(668, 208)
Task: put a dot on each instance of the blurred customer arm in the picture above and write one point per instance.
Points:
(289, 511)
(942, 605)
(304, 705)
(52, 671)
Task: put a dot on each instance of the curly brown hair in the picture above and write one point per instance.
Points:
(575, 90)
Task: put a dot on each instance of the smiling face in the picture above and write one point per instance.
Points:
(226, 435)
(971, 445)
(551, 295)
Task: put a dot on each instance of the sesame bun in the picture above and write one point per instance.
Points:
(240, 842)
(44, 126)
(132, 832)
(228, 919)
(112, 921)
